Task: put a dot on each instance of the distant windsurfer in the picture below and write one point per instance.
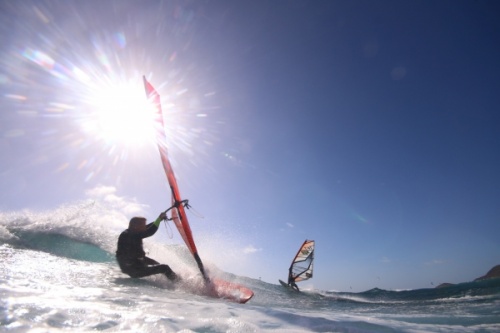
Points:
(291, 282)
(130, 253)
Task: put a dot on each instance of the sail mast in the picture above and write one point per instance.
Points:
(178, 212)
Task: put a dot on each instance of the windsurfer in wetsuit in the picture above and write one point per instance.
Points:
(130, 253)
(291, 281)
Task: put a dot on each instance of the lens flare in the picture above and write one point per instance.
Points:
(122, 115)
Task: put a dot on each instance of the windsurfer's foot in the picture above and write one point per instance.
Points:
(174, 277)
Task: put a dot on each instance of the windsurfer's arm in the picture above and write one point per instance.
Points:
(160, 218)
(152, 227)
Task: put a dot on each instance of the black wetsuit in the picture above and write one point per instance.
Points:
(291, 282)
(132, 258)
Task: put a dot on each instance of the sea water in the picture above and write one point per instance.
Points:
(57, 274)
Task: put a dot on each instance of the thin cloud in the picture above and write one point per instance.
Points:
(289, 225)
(250, 249)
(108, 195)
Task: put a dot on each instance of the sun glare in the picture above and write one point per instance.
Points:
(122, 115)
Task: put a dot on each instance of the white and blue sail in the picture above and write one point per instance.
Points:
(302, 264)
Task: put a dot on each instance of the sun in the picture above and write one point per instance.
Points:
(121, 114)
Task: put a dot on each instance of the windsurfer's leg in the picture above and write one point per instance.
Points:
(165, 269)
(144, 271)
(170, 274)
(161, 268)
(147, 267)
(148, 261)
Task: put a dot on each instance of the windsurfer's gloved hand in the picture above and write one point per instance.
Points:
(161, 217)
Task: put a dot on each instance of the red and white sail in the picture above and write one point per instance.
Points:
(178, 211)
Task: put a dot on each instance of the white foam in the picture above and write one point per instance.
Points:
(41, 292)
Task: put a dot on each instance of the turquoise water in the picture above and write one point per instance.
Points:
(65, 279)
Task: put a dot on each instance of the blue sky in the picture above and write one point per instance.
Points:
(371, 127)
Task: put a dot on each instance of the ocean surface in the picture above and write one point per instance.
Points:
(57, 275)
